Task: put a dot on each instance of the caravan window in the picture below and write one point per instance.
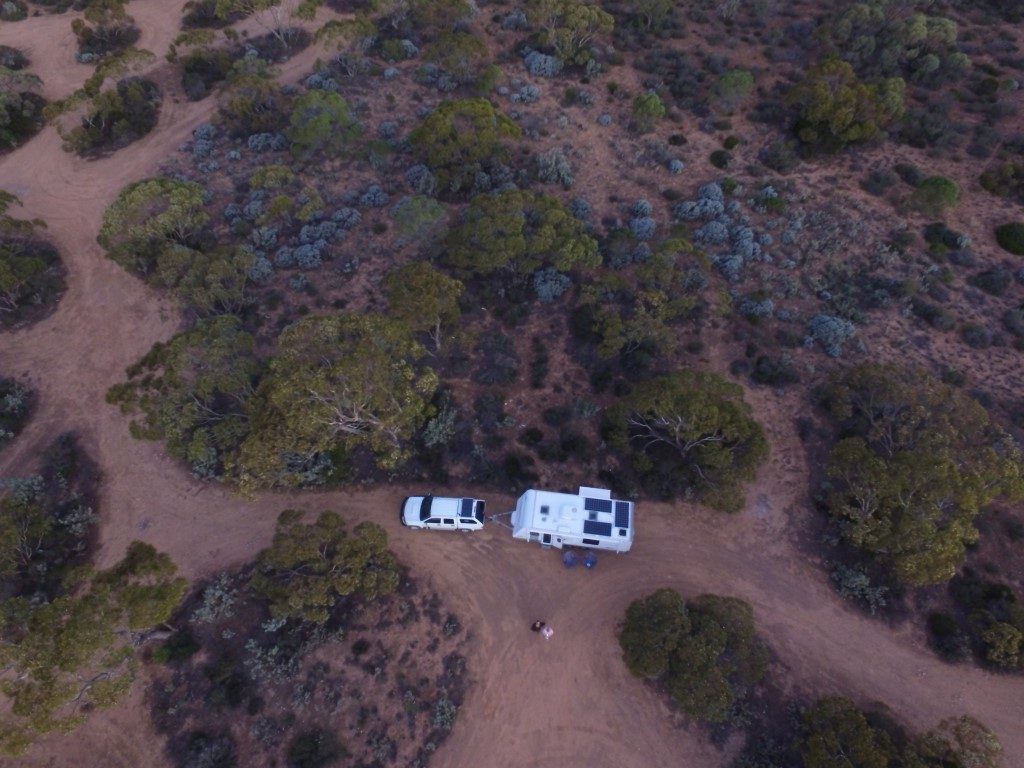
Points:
(546, 538)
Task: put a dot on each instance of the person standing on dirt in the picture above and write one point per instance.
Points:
(537, 626)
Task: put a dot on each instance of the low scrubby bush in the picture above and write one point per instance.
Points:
(935, 195)
(315, 749)
(1011, 237)
(648, 109)
(976, 336)
(15, 404)
(549, 284)
(201, 69)
(994, 280)
(775, 372)
(946, 637)
(854, 584)
(934, 315)
(552, 167)
(1006, 180)
(831, 332)
(542, 65)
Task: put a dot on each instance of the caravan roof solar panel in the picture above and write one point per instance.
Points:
(597, 505)
(622, 514)
(597, 529)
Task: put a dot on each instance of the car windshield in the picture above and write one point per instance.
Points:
(478, 513)
(425, 507)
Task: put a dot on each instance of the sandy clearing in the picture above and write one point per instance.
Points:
(566, 702)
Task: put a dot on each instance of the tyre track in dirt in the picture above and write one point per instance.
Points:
(566, 702)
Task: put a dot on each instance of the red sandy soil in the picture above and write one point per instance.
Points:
(567, 702)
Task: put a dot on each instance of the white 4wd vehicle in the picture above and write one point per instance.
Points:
(443, 513)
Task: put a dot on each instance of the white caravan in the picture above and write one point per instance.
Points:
(591, 518)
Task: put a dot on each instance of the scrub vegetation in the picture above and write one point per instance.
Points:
(706, 254)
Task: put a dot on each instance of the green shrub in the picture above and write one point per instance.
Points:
(21, 109)
(704, 652)
(648, 109)
(994, 280)
(994, 618)
(15, 406)
(1006, 180)
(13, 10)
(834, 108)
(569, 27)
(322, 123)
(460, 139)
(117, 117)
(252, 103)
(202, 68)
(461, 55)
(31, 278)
(721, 158)
(945, 637)
(519, 232)
(178, 647)
(690, 431)
(934, 315)
(105, 28)
(315, 749)
(917, 462)
(732, 88)
(1011, 237)
(780, 156)
(775, 372)
(936, 194)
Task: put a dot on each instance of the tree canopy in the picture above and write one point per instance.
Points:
(705, 652)
(150, 215)
(916, 461)
(337, 383)
(568, 27)
(322, 123)
(689, 431)
(74, 651)
(834, 108)
(207, 282)
(20, 107)
(29, 274)
(30, 269)
(880, 38)
(116, 117)
(519, 232)
(192, 392)
(252, 102)
(310, 568)
(459, 138)
(837, 734)
(424, 298)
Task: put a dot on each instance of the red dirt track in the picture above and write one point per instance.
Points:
(566, 702)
